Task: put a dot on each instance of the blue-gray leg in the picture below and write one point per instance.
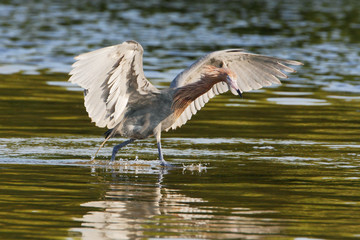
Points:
(117, 147)
(157, 133)
(161, 157)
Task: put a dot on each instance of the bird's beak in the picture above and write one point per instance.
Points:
(238, 91)
(233, 84)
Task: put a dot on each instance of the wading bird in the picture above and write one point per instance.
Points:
(119, 97)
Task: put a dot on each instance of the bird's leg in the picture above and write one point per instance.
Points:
(161, 158)
(117, 147)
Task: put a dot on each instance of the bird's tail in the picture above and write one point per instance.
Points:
(108, 135)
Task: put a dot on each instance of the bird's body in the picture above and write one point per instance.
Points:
(119, 97)
(140, 120)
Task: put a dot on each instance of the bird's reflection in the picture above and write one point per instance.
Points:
(142, 205)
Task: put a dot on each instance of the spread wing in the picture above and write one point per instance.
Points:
(111, 76)
(253, 72)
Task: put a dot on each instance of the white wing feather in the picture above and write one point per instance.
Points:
(253, 71)
(110, 76)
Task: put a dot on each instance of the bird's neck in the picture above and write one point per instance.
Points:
(185, 95)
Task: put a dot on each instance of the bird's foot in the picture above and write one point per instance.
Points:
(163, 163)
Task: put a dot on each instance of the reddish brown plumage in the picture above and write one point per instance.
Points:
(188, 93)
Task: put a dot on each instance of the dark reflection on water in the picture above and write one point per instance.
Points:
(221, 188)
(238, 200)
(281, 163)
(150, 207)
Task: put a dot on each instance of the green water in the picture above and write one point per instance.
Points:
(261, 167)
(280, 163)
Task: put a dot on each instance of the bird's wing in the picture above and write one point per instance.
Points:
(253, 71)
(111, 76)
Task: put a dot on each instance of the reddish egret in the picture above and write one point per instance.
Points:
(119, 97)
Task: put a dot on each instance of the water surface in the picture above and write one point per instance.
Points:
(280, 163)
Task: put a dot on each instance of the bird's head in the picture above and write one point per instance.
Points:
(224, 74)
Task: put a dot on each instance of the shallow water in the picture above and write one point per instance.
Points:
(281, 163)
